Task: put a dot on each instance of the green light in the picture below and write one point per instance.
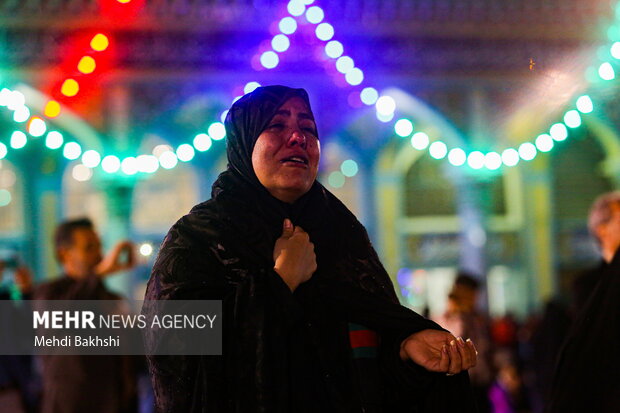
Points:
(129, 166)
(572, 119)
(419, 141)
(72, 150)
(492, 160)
(457, 157)
(111, 164)
(403, 127)
(18, 140)
(584, 104)
(147, 164)
(438, 150)
(168, 160)
(527, 151)
(475, 160)
(606, 71)
(91, 158)
(336, 179)
(349, 168)
(558, 132)
(3, 150)
(216, 131)
(544, 143)
(185, 152)
(202, 142)
(54, 140)
(5, 197)
(510, 157)
(21, 114)
(615, 50)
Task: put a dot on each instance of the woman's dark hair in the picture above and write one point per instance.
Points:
(63, 236)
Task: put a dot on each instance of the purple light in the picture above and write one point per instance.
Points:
(334, 49)
(280, 43)
(344, 64)
(315, 15)
(287, 25)
(269, 60)
(324, 31)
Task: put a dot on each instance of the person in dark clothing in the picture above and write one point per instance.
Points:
(86, 383)
(587, 375)
(311, 321)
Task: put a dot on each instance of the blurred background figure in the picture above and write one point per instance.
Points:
(79, 383)
(19, 385)
(463, 318)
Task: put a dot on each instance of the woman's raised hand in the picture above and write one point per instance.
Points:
(293, 255)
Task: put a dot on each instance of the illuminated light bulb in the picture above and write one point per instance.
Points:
(5, 197)
(159, 149)
(510, 157)
(334, 49)
(18, 140)
(54, 140)
(584, 104)
(558, 132)
(36, 127)
(236, 98)
(344, 64)
(280, 43)
(21, 114)
(52, 109)
(99, 42)
(403, 127)
(527, 151)
(251, 86)
(369, 96)
(87, 65)
(217, 131)
(146, 249)
(111, 164)
(147, 163)
(572, 119)
(296, 8)
(492, 160)
(315, 14)
(123, 1)
(70, 88)
(185, 152)
(81, 173)
(15, 99)
(385, 118)
(129, 166)
(287, 25)
(606, 71)
(354, 76)
(419, 141)
(349, 168)
(615, 50)
(307, 2)
(223, 116)
(91, 158)
(544, 143)
(457, 156)
(324, 31)
(202, 142)
(168, 160)
(269, 59)
(336, 179)
(3, 150)
(475, 160)
(438, 150)
(72, 150)
(385, 105)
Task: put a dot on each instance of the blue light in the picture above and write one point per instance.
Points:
(280, 43)
(287, 25)
(296, 8)
(344, 64)
(334, 49)
(354, 76)
(223, 116)
(269, 60)
(369, 96)
(324, 31)
(315, 15)
(250, 87)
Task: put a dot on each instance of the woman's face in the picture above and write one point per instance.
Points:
(286, 155)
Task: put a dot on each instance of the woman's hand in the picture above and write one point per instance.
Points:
(122, 257)
(439, 351)
(293, 255)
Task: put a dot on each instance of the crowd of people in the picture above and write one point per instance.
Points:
(311, 319)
